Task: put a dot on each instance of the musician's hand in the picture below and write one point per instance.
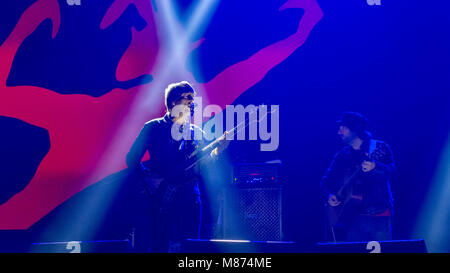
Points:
(367, 166)
(223, 144)
(333, 201)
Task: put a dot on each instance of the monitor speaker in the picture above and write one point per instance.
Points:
(395, 246)
(236, 246)
(106, 246)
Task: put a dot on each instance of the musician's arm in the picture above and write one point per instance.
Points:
(384, 168)
(138, 149)
(215, 153)
(328, 184)
(223, 144)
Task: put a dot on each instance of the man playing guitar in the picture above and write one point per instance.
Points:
(177, 212)
(356, 187)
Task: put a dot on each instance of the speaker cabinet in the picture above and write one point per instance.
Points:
(253, 214)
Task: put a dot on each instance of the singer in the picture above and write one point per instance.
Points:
(177, 213)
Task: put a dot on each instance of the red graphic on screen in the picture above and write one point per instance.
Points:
(90, 136)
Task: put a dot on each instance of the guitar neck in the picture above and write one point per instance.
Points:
(211, 146)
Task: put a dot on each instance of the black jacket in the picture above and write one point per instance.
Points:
(373, 186)
(167, 155)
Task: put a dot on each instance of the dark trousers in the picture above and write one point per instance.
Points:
(360, 228)
(176, 220)
(364, 228)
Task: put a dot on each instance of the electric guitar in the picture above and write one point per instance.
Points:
(156, 187)
(349, 201)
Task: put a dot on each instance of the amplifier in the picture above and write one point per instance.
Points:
(253, 208)
(257, 174)
(253, 214)
(395, 246)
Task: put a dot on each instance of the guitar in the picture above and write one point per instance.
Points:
(348, 200)
(155, 186)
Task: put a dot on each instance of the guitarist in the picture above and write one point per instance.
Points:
(356, 185)
(177, 213)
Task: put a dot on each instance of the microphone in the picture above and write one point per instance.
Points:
(193, 106)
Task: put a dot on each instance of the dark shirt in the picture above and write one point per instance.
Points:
(168, 156)
(372, 186)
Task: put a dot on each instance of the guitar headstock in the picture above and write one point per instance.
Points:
(380, 152)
